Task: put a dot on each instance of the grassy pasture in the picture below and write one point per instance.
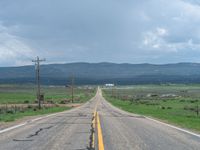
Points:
(17, 101)
(177, 104)
(18, 94)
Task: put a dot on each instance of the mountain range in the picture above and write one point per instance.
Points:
(101, 73)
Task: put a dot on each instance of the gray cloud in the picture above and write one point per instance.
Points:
(134, 31)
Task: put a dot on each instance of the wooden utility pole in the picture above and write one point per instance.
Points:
(37, 69)
(116, 94)
(112, 91)
(72, 87)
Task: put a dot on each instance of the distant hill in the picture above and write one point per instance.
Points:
(100, 73)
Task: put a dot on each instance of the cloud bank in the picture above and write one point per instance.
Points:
(133, 31)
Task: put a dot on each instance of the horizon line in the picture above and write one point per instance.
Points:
(103, 62)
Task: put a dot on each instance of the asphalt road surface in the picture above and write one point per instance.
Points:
(98, 125)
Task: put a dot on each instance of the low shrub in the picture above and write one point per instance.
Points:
(26, 101)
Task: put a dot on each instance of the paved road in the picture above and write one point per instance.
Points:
(73, 130)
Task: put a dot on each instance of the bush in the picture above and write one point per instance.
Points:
(189, 108)
(193, 101)
(10, 111)
(65, 101)
(29, 107)
(163, 107)
(169, 107)
(50, 102)
(62, 102)
(26, 101)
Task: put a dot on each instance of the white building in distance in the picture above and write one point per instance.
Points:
(109, 85)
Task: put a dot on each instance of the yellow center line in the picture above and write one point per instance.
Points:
(94, 127)
(94, 124)
(100, 136)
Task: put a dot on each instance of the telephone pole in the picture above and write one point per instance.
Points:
(37, 69)
(112, 92)
(72, 87)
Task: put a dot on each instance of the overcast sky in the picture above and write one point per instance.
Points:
(122, 31)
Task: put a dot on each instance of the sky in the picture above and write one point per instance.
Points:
(120, 31)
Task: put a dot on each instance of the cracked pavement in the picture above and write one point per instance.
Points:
(72, 130)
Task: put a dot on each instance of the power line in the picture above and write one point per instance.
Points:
(37, 69)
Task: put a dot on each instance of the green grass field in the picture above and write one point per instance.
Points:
(26, 94)
(19, 94)
(177, 104)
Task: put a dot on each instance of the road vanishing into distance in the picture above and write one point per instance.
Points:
(96, 125)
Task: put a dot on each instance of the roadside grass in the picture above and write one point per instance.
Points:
(16, 98)
(181, 111)
(8, 117)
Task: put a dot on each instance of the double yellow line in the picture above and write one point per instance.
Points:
(97, 125)
(94, 127)
(100, 136)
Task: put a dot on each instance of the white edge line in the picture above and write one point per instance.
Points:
(39, 118)
(174, 127)
(13, 127)
(29, 121)
(149, 118)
